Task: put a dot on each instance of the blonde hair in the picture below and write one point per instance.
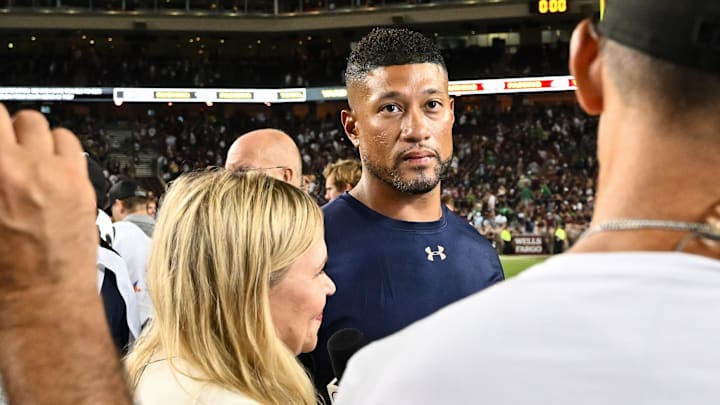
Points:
(344, 172)
(221, 241)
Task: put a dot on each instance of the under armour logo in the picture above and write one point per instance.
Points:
(431, 254)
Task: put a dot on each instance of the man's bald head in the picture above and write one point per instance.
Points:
(268, 149)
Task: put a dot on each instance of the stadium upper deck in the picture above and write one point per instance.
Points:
(83, 43)
(277, 16)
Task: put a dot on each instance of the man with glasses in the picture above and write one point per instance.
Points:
(269, 150)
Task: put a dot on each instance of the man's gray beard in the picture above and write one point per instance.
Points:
(417, 185)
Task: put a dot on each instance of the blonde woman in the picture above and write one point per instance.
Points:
(236, 277)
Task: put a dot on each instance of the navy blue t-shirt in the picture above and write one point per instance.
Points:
(391, 273)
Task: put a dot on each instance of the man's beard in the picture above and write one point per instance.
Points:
(416, 185)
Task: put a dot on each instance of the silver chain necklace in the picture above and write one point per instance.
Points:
(695, 229)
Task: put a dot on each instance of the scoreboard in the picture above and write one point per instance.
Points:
(549, 6)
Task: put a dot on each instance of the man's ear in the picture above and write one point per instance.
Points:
(586, 65)
(121, 206)
(116, 209)
(293, 178)
(349, 124)
(452, 109)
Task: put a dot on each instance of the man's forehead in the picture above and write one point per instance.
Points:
(423, 69)
(425, 77)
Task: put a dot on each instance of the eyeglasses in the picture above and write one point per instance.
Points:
(251, 169)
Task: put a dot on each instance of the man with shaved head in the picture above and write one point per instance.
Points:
(269, 150)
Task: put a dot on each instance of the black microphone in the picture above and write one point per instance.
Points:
(341, 346)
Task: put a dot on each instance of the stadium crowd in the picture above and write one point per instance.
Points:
(527, 169)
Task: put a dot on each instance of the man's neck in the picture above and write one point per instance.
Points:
(647, 172)
(132, 215)
(136, 214)
(388, 201)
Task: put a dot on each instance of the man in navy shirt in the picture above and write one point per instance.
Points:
(396, 253)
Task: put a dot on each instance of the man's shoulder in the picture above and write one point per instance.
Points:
(343, 214)
(460, 229)
(140, 218)
(456, 221)
(128, 229)
(338, 205)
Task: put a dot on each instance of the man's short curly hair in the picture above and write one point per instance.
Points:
(389, 47)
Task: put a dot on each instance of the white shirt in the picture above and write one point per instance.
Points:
(134, 246)
(603, 328)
